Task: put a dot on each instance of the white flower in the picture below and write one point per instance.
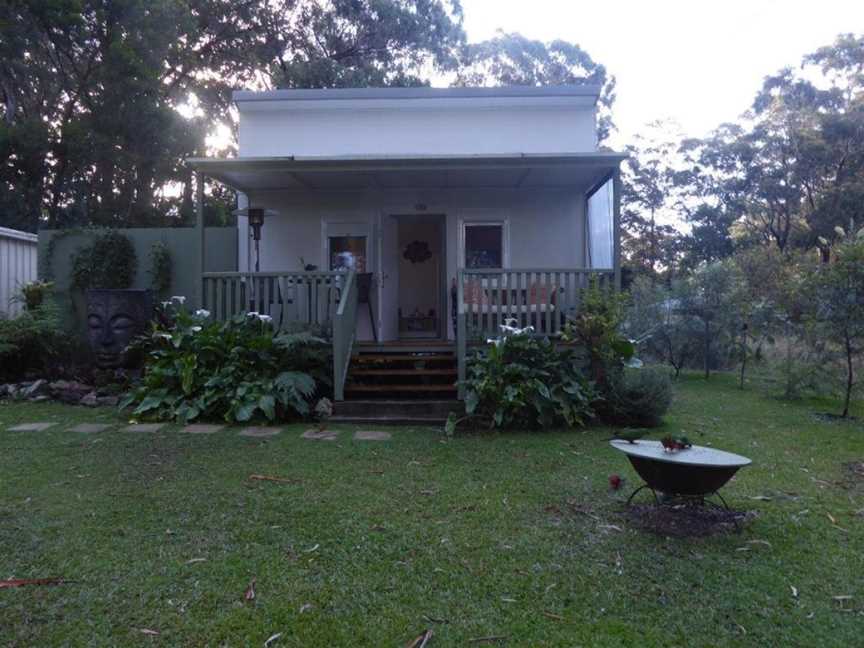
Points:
(195, 329)
(202, 313)
(252, 314)
(265, 318)
(180, 299)
(164, 336)
(166, 304)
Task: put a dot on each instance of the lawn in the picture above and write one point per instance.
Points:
(515, 536)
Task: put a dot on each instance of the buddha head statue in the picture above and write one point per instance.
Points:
(114, 318)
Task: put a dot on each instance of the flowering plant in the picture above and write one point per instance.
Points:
(237, 370)
(522, 380)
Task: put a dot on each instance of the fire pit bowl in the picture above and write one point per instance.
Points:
(694, 472)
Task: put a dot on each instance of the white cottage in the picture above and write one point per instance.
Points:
(413, 219)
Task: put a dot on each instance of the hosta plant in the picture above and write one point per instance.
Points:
(237, 371)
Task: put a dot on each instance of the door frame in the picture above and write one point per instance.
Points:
(440, 216)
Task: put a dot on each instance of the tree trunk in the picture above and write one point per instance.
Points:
(850, 376)
(707, 349)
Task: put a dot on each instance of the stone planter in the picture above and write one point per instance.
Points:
(114, 318)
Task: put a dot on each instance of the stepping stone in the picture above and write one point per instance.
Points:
(372, 435)
(202, 428)
(90, 428)
(145, 427)
(321, 435)
(260, 431)
(31, 427)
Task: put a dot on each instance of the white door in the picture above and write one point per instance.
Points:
(388, 280)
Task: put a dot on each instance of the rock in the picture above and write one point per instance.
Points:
(39, 399)
(90, 400)
(36, 388)
(4, 390)
(69, 391)
(107, 401)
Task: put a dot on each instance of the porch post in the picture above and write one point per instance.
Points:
(199, 238)
(616, 225)
(461, 333)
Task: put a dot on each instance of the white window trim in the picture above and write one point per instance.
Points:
(504, 222)
(345, 225)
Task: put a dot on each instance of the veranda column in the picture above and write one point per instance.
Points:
(616, 225)
(199, 238)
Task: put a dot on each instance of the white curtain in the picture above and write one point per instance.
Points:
(600, 227)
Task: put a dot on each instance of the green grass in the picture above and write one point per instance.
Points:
(479, 532)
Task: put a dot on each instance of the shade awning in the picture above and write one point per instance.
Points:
(581, 171)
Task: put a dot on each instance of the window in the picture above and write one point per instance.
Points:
(600, 226)
(348, 253)
(484, 245)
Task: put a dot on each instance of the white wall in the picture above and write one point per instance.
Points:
(546, 227)
(458, 130)
(17, 266)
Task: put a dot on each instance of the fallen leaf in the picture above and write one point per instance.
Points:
(20, 582)
(831, 517)
(556, 617)
(281, 480)
(761, 498)
(794, 591)
(195, 560)
(305, 607)
(489, 639)
(508, 600)
(249, 594)
(272, 638)
(315, 548)
(421, 640)
(147, 631)
(759, 542)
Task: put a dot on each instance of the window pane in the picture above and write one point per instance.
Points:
(484, 246)
(348, 253)
(600, 229)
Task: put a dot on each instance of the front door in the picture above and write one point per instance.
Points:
(388, 280)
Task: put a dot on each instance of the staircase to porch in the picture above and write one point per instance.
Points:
(400, 383)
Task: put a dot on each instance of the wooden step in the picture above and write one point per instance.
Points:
(397, 357)
(399, 388)
(402, 412)
(403, 372)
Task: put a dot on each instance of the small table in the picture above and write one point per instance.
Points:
(693, 473)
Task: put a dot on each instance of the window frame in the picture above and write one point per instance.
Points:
(502, 222)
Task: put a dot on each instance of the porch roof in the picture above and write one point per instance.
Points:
(518, 170)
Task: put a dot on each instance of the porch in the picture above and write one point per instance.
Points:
(328, 302)
(509, 237)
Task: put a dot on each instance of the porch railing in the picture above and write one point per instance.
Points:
(344, 332)
(304, 297)
(542, 298)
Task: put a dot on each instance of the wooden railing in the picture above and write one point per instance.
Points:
(304, 297)
(344, 332)
(542, 298)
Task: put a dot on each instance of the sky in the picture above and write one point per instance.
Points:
(695, 62)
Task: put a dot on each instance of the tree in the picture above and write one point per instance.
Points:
(102, 100)
(513, 60)
(649, 197)
(706, 298)
(838, 291)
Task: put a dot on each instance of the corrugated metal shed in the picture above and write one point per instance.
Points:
(17, 267)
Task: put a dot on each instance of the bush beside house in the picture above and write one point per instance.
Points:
(237, 371)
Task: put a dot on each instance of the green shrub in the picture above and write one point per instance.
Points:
(520, 380)
(30, 342)
(597, 329)
(639, 398)
(237, 370)
(160, 268)
(108, 262)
